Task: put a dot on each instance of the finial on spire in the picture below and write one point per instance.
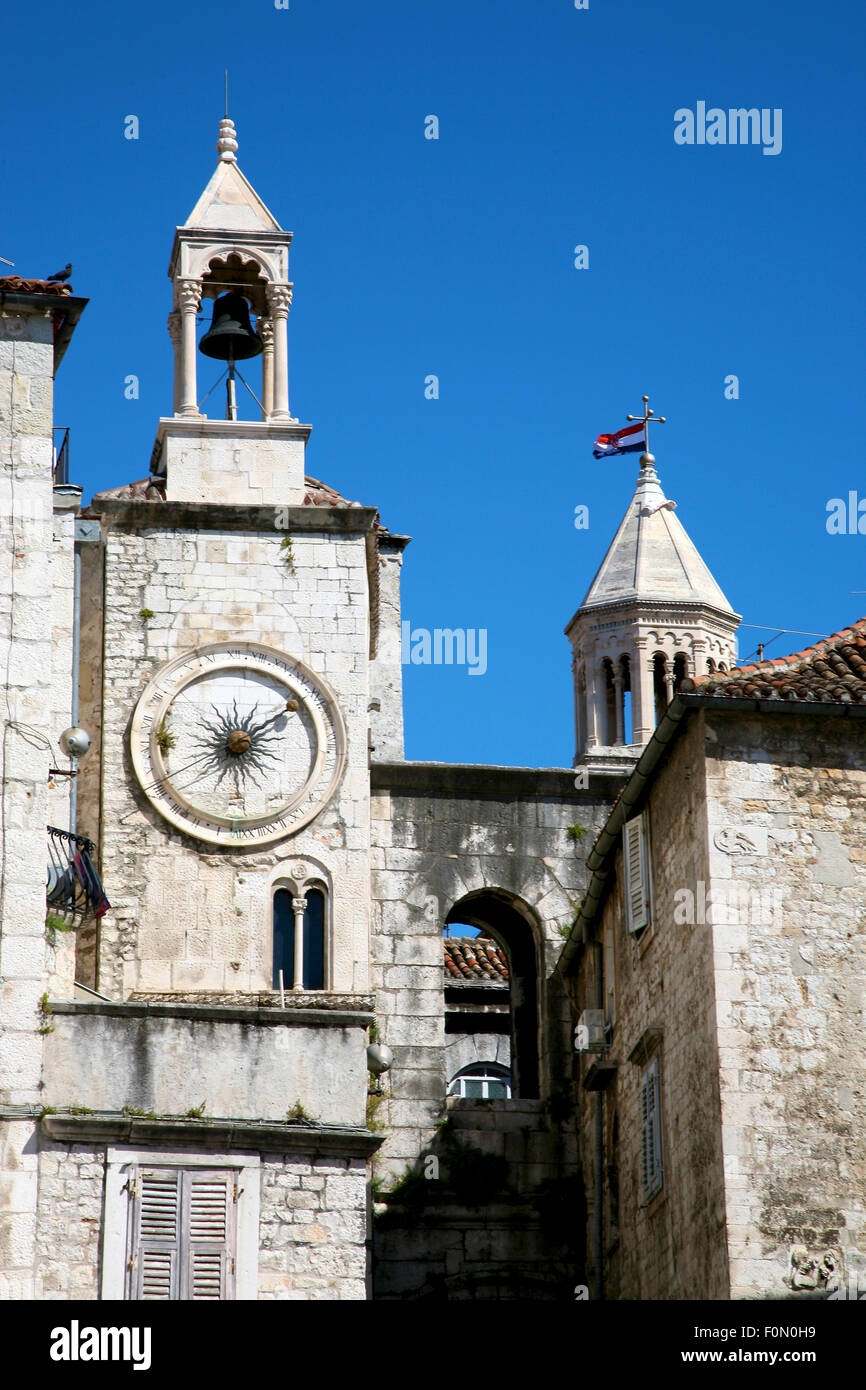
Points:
(227, 144)
(647, 460)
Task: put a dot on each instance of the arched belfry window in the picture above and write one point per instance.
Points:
(660, 685)
(299, 939)
(681, 669)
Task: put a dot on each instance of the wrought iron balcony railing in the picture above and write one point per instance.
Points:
(74, 886)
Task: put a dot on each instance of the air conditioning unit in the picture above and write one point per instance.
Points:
(591, 1033)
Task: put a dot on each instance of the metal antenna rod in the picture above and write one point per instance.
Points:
(227, 92)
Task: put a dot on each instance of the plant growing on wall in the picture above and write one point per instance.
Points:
(146, 614)
(577, 831)
(47, 1011)
(288, 554)
(164, 737)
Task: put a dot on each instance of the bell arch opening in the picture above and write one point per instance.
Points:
(508, 921)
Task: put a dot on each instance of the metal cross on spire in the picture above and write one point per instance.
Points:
(647, 418)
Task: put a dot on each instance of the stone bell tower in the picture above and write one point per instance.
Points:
(231, 242)
(652, 616)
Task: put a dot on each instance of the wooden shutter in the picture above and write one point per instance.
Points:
(636, 874)
(154, 1266)
(208, 1244)
(183, 1234)
(652, 1133)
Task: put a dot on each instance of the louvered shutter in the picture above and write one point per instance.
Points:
(636, 873)
(656, 1127)
(207, 1250)
(652, 1136)
(154, 1265)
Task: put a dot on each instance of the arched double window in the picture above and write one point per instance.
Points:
(482, 1081)
(299, 939)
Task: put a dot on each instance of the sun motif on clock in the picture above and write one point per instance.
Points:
(237, 744)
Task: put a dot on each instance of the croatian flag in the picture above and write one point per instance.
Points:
(625, 441)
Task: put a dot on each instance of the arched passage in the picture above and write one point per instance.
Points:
(495, 911)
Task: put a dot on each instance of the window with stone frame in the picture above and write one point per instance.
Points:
(299, 938)
(651, 1140)
(180, 1227)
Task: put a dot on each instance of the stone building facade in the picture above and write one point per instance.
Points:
(228, 1039)
(728, 1092)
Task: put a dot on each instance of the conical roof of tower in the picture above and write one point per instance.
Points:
(229, 202)
(652, 557)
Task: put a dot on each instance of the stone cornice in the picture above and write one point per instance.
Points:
(113, 1127)
(477, 781)
(219, 1013)
(650, 612)
(138, 514)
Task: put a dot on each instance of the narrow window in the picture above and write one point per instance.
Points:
(284, 938)
(314, 940)
(660, 686)
(312, 956)
(652, 1130)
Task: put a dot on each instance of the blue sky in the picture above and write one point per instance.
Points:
(454, 257)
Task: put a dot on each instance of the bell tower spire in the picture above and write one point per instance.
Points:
(233, 251)
(653, 615)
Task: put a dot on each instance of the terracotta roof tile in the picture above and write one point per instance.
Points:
(474, 960)
(16, 284)
(831, 672)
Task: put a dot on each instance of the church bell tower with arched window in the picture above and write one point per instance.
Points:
(652, 616)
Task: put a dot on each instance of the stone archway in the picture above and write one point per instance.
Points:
(510, 921)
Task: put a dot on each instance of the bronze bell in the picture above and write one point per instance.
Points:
(231, 336)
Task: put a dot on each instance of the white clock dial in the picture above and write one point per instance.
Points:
(237, 743)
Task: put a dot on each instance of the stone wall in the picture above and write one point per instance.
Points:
(28, 719)
(439, 834)
(386, 671)
(749, 986)
(237, 461)
(186, 917)
(69, 1220)
(465, 1049)
(312, 1224)
(238, 1063)
(494, 1212)
(659, 994)
(313, 1229)
(791, 984)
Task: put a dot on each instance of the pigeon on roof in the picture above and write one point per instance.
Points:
(63, 274)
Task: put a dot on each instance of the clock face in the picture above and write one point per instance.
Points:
(237, 744)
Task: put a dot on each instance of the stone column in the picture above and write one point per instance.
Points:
(593, 705)
(189, 295)
(174, 332)
(265, 330)
(643, 696)
(279, 299)
(299, 907)
(579, 706)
